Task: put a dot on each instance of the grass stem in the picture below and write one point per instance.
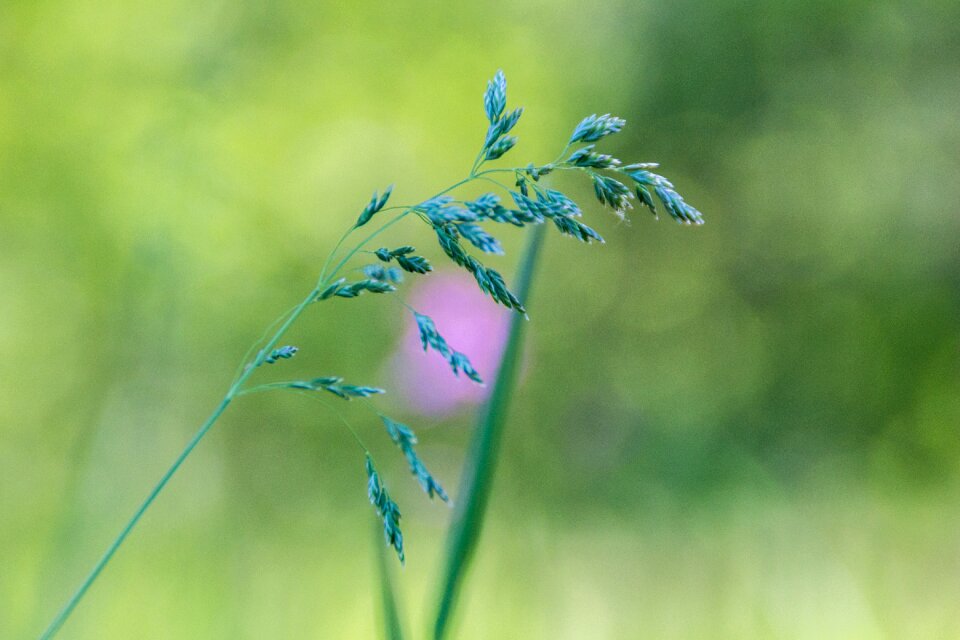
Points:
(392, 627)
(481, 460)
(112, 549)
(78, 595)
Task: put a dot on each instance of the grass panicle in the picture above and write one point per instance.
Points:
(519, 199)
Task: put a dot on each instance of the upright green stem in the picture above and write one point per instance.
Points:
(481, 462)
(392, 627)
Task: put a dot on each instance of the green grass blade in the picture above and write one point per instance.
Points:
(481, 461)
(392, 629)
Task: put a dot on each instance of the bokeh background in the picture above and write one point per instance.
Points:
(745, 430)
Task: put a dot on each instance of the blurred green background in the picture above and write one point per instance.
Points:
(746, 430)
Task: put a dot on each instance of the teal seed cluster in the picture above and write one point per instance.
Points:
(334, 385)
(403, 437)
(430, 338)
(283, 353)
(376, 204)
(462, 228)
(412, 264)
(386, 508)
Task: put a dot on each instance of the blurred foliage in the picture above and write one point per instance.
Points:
(743, 430)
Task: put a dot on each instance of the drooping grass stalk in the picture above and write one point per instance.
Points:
(477, 478)
(392, 627)
(457, 225)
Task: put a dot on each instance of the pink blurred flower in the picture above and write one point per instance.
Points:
(471, 323)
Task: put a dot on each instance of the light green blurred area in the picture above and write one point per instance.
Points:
(746, 430)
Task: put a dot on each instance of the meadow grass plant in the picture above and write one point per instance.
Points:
(519, 197)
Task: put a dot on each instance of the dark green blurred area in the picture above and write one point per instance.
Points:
(743, 430)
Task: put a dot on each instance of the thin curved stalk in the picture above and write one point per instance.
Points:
(481, 461)
(112, 549)
(204, 428)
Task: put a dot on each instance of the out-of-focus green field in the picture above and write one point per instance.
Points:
(746, 430)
